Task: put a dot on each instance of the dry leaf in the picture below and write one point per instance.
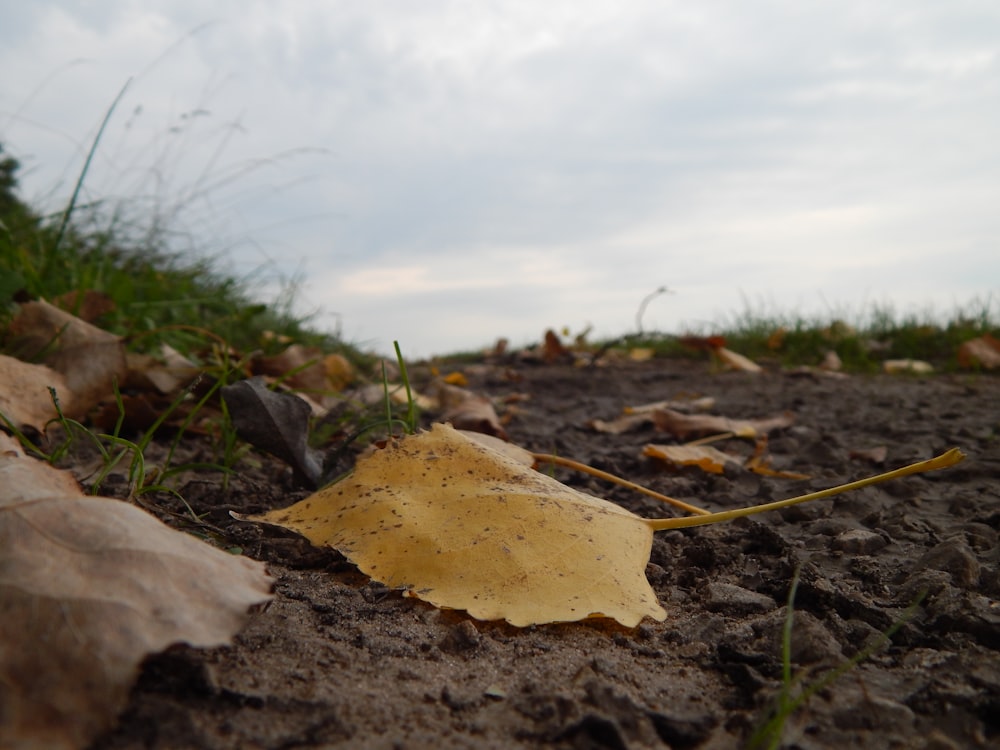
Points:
(702, 343)
(553, 349)
(705, 457)
(699, 403)
(913, 366)
(166, 375)
(89, 306)
(91, 360)
(462, 526)
(339, 371)
(683, 425)
(736, 361)
(876, 455)
(624, 423)
(24, 393)
(304, 362)
(831, 362)
(275, 422)
(466, 410)
(980, 352)
(89, 587)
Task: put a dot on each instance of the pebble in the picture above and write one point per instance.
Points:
(858, 542)
(726, 597)
(954, 557)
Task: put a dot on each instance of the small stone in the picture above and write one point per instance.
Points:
(953, 557)
(859, 542)
(725, 597)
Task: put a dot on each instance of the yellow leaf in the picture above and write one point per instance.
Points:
(705, 457)
(457, 524)
(464, 527)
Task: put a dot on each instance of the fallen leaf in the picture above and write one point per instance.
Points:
(466, 410)
(831, 362)
(876, 455)
(89, 587)
(464, 527)
(339, 371)
(980, 352)
(736, 361)
(624, 423)
(456, 378)
(300, 367)
(461, 526)
(166, 374)
(24, 393)
(553, 349)
(777, 338)
(684, 425)
(705, 457)
(913, 366)
(91, 360)
(88, 306)
(275, 422)
(694, 403)
(703, 343)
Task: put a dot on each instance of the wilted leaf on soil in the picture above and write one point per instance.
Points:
(684, 425)
(275, 422)
(634, 417)
(24, 393)
(706, 457)
(912, 366)
(714, 461)
(466, 410)
(91, 359)
(88, 305)
(735, 361)
(980, 352)
(89, 587)
(166, 374)
(462, 526)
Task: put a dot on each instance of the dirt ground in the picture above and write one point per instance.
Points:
(338, 661)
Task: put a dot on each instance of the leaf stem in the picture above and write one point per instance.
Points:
(577, 466)
(946, 459)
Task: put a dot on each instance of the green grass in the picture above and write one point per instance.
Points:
(795, 693)
(863, 339)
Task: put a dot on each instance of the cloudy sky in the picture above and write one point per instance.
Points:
(444, 173)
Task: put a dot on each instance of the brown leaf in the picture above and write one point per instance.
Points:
(705, 457)
(91, 359)
(470, 411)
(24, 393)
(980, 352)
(684, 425)
(304, 362)
(702, 343)
(553, 349)
(88, 306)
(89, 587)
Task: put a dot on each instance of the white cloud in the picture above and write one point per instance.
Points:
(557, 160)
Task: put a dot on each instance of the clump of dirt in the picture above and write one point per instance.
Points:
(337, 660)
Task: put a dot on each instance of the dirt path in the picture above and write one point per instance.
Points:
(337, 661)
